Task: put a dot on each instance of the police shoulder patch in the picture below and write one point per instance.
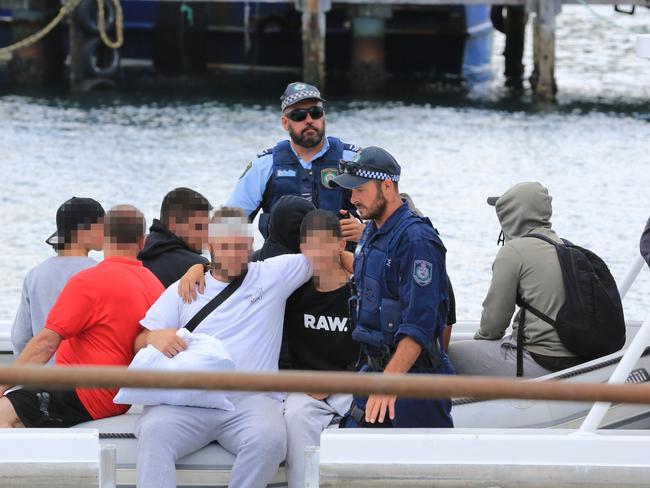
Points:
(422, 272)
(264, 152)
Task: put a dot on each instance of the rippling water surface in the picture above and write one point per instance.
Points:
(592, 151)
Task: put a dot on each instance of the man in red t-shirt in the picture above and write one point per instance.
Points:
(94, 322)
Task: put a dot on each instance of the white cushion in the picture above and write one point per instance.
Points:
(203, 353)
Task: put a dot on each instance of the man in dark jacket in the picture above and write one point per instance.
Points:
(644, 245)
(176, 241)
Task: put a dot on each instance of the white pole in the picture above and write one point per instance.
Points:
(312, 465)
(619, 376)
(108, 467)
(631, 275)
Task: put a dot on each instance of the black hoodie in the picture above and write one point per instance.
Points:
(284, 227)
(166, 255)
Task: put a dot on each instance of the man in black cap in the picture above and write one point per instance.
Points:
(301, 166)
(79, 230)
(402, 294)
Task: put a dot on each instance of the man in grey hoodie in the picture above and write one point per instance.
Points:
(525, 266)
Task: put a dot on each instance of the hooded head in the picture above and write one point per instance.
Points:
(284, 226)
(522, 209)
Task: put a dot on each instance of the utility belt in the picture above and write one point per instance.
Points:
(378, 362)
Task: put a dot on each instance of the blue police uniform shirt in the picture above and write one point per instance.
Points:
(249, 191)
(416, 275)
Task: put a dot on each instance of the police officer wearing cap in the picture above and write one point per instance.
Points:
(303, 165)
(402, 298)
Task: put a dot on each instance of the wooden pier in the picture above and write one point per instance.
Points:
(314, 18)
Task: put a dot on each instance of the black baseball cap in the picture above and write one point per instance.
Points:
(371, 163)
(72, 214)
(297, 92)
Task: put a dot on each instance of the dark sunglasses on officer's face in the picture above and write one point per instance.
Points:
(300, 114)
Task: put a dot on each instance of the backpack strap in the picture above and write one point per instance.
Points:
(520, 341)
(525, 305)
(546, 238)
(221, 297)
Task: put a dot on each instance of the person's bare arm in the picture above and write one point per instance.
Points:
(38, 350)
(187, 285)
(406, 354)
(347, 261)
(165, 340)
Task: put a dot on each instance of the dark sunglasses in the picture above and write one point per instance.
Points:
(300, 114)
(348, 166)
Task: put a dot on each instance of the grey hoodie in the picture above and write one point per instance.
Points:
(526, 266)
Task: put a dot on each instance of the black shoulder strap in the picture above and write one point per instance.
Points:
(215, 302)
(520, 341)
(543, 238)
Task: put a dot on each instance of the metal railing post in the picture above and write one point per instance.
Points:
(619, 376)
(108, 467)
(312, 465)
(631, 275)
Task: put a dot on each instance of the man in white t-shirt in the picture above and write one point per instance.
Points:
(249, 323)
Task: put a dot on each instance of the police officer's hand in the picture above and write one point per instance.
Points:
(351, 228)
(187, 284)
(376, 408)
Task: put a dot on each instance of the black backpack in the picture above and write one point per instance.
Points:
(590, 323)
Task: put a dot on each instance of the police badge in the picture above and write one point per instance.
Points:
(422, 272)
(328, 175)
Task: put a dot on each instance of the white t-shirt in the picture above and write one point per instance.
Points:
(250, 321)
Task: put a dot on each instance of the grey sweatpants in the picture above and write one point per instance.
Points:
(306, 418)
(491, 358)
(254, 432)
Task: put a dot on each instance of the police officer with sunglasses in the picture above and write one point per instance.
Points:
(303, 165)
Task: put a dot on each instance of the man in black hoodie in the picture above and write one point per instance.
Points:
(176, 241)
(284, 227)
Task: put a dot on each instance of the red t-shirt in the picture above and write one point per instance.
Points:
(98, 315)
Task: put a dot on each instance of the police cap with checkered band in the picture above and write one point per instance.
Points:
(371, 163)
(297, 92)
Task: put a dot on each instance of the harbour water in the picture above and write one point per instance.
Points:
(592, 150)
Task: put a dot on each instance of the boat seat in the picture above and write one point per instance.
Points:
(209, 466)
(118, 431)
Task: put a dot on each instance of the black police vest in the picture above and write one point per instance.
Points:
(288, 177)
(379, 311)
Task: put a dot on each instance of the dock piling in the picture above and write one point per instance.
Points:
(313, 40)
(368, 56)
(77, 70)
(543, 78)
(42, 62)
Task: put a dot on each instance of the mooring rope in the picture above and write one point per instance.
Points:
(67, 9)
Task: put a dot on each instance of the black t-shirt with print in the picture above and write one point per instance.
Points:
(318, 329)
